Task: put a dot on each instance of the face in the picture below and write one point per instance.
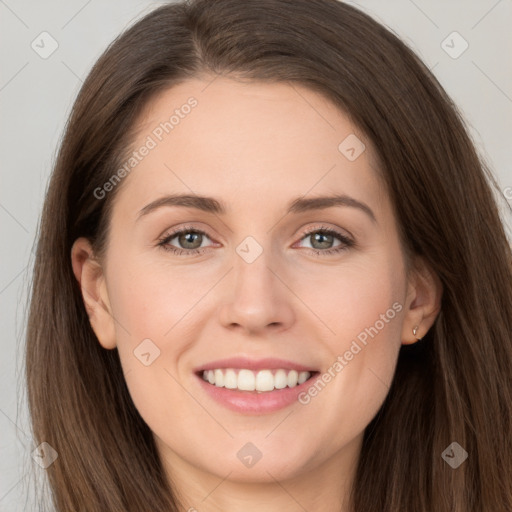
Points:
(263, 285)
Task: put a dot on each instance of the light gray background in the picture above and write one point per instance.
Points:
(36, 95)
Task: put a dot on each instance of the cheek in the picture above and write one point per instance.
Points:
(150, 301)
(357, 296)
(153, 309)
(159, 312)
(362, 307)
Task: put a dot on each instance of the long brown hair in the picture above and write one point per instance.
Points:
(454, 385)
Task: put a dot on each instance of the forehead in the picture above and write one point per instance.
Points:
(250, 143)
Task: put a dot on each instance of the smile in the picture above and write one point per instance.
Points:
(266, 380)
(254, 387)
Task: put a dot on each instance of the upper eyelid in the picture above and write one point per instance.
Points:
(314, 229)
(185, 229)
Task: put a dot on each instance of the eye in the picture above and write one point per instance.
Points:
(322, 238)
(191, 241)
(189, 238)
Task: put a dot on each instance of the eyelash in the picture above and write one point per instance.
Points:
(346, 242)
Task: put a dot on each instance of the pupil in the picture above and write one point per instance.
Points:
(328, 239)
(187, 237)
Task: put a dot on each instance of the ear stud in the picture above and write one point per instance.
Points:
(414, 331)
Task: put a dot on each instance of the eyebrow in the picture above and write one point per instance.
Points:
(298, 205)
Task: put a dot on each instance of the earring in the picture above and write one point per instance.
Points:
(414, 331)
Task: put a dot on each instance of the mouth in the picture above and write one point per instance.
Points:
(256, 381)
(254, 386)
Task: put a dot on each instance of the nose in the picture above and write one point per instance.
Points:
(257, 297)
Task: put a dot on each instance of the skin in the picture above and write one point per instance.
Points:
(256, 147)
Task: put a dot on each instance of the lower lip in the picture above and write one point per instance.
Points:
(252, 402)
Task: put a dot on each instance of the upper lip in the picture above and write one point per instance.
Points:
(270, 363)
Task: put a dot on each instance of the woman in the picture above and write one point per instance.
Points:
(271, 274)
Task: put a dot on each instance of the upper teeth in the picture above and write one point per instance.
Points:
(247, 380)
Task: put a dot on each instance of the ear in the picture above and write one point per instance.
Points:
(91, 278)
(424, 293)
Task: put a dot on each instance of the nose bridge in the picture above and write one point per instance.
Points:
(257, 298)
(254, 281)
